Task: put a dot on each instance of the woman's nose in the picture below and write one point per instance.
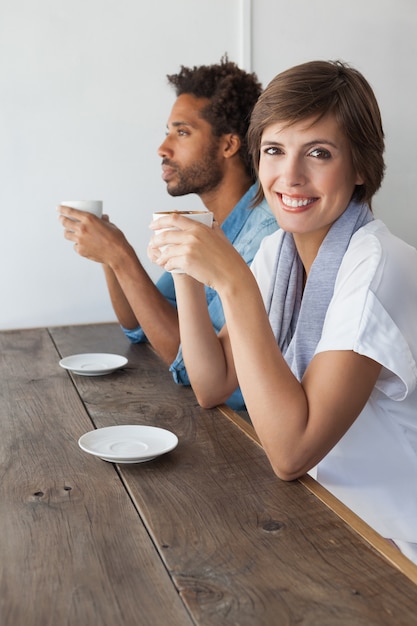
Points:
(293, 173)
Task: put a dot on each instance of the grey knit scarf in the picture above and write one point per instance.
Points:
(297, 317)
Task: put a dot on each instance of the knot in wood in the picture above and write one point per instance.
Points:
(273, 526)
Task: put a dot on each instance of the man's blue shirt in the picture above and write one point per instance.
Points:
(245, 228)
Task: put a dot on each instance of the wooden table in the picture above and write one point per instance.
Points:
(205, 534)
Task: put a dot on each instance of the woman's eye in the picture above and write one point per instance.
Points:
(272, 150)
(320, 153)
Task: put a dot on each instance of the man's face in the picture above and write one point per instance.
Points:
(191, 155)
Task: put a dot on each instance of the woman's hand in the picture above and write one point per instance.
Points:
(201, 252)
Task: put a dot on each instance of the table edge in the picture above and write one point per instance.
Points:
(381, 545)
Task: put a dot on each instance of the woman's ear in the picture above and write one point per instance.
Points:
(232, 145)
(359, 180)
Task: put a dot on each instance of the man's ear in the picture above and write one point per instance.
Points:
(231, 146)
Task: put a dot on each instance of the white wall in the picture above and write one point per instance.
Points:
(83, 107)
(84, 102)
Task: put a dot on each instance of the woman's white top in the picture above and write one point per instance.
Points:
(373, 468)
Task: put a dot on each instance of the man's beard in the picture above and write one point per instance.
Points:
(199, 178)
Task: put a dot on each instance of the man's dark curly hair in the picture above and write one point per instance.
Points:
(232, 93)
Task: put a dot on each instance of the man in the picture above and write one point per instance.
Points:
(204, 152)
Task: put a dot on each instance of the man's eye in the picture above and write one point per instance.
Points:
(320, 153)
(182, 132)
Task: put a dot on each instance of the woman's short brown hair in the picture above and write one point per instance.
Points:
(316, 89)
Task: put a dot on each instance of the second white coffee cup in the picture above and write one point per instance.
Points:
(204, 217)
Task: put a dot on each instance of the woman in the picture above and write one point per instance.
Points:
(321, 336)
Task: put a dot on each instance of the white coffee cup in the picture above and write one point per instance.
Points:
(204, 217)
(89, 206)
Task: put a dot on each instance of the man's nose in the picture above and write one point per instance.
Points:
(165, 149)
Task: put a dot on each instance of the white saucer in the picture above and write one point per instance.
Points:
(128, 444)
(93, 364)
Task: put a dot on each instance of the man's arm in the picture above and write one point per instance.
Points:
(135, 298)
(120, 303)
(137, 301)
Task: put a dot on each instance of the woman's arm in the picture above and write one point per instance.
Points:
(207, 356)
(297, 422)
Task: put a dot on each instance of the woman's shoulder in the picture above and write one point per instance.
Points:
(378, 232)
(381, 250)
(378, 275)
(374, 306)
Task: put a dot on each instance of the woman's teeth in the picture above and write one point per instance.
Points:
(296, 202)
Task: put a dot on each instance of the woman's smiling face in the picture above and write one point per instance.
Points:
(307, 175)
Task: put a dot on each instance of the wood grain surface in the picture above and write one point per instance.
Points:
(73, 550)
(242, 546)
(203, 535)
